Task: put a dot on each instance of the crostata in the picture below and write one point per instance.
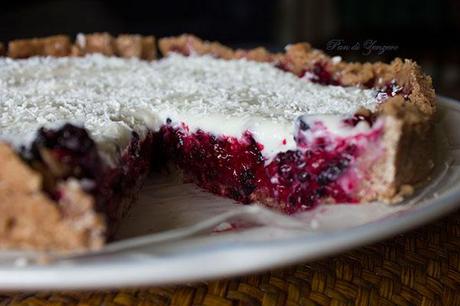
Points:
(83, 122)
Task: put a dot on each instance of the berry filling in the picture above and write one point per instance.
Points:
(223, 165)
(318, 170)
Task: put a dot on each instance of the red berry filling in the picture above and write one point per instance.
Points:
(223, 165)
(296, 180)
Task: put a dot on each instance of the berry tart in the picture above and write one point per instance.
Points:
(83, 123)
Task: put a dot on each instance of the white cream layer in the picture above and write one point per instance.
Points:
(111, 97)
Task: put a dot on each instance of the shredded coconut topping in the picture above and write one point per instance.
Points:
(113, 96)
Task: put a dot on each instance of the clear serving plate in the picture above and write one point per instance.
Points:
(177, 233)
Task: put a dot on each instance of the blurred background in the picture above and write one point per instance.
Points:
(427, 31)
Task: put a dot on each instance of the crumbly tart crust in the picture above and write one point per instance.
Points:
(408, 114)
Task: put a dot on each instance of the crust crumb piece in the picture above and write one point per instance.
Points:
(406, 190)
(259, 54)
(93, 43)
(355, 73)
(301, 57)
(187, 44)
(58, 45)
(135, 46)
(149, 49)
(128, 46)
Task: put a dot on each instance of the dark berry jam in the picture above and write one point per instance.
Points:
(234, 167)
(301, 179)
(223, 165)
